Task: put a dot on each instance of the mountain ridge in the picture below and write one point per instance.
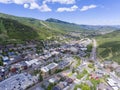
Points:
(44, 29)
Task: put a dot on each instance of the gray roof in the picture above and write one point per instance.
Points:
(16, 82)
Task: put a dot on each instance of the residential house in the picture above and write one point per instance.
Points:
(103, 86)
(18, 82)
(117, 71)
(51, 68)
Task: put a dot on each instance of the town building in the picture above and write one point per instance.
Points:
(18, 82)
(49, 69)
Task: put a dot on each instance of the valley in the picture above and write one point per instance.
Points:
(57, 55)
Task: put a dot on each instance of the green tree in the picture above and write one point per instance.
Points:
(1, 62)
(73, 70)
(50, 86)
(85, 87)
(40, 77)
(91, 65)
(50, 72)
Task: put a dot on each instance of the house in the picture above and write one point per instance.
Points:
(107, 63)
(15, 67)
(10, 46)
(51, 68)
(56, 88)
(2, 73)
(64, 63)
(83, 49)
(60, 86)
(33, 62)
(94, 76)
(103, 86)
(115, 65)
(99, 73)
(69, 80)
(2, 47)
(52, 80)
(113, 84)
(5, 60)
(89, 83)
(54, 53)
(73, 50)
(16, 59)
(117, 71)
(18, 82)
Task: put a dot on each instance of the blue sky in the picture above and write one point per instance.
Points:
(92, 12)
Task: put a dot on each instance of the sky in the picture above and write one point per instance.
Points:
(90, 12)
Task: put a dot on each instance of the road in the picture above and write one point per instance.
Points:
(93, 53)
(36, 86)
(94, 57)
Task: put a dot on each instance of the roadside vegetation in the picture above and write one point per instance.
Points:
(91, 65)
(78, 61)
(82, 87)
(89, 47)
(89, 50)
(83, 73)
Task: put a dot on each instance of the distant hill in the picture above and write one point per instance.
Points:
(109, 46)
(32, 28)
(37, 25)
(19, 29)
(56, 21)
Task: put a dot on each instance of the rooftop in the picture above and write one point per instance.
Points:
(16, 82)
(49, 67)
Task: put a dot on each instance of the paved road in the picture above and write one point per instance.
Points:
(94, 57)
(93, 53)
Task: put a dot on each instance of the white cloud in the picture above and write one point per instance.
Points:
(26, 5)
(6, 1)
(45, 8)
(85, 8)
(17, 1)
(31, 4)
(73, 8)
(60, 1)
(34, 5)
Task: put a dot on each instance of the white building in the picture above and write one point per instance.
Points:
(34, 61)
(113, 84)
(51, 67)
(17, 82)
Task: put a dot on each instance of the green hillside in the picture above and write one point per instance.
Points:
(22, 28)
(109, 46)
(49, 25)
(12, 30)
(18, 29)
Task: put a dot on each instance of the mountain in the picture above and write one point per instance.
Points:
(43, 31)
(109, 46)
(56, 21)
(19, 29)
(95, 28)
(101, 29)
